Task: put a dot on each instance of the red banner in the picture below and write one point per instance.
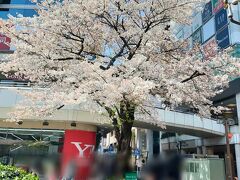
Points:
(77, 148)
(4, 43)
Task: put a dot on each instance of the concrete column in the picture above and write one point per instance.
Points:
(199, 150)
(139, 139)
(238, 106)
(237, 156)
(149, 138)
(204, 150)
(199, 144)
(160, 142)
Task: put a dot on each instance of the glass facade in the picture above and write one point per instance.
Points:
(15, 7)
(212, 23)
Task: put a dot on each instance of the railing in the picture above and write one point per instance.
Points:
(5, 83)
(18, 6)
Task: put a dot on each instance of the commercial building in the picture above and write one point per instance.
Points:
(188, 133)
(212, 29)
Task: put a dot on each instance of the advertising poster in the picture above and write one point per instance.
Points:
(210, 49)
(207, 12)
(217, 5)
(223, 38)
(4, 43)
(221, 19)
(77, 148)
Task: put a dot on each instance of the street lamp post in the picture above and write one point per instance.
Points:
(228, 157)
(228, 119)
(228, 6)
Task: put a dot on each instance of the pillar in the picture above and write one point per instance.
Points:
(139, 139)
(204, 150)
(160, 142)
(149, 135)
(199, 150)
(237, 156)
(238, 107)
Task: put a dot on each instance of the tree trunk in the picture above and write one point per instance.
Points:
(123, 126)
(125, 137)
(123, 133)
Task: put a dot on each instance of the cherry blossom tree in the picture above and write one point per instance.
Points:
(119, 56)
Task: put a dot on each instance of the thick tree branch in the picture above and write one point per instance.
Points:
(194, 75)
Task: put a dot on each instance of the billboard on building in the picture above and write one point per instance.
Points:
(221, 19)
(208, 29)
(4, 43)
(210, 49)
(207, 12)
(217, 5)
(223, 38)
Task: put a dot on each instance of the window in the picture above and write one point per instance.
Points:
(4, 3)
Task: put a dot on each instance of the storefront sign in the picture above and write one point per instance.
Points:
(221, 19)
(208, 29)
(207, 12)
(223, 38)
(77, 148)
(217, 5)
(4, 43)
(197, 37)
(131, 176)
(210, 49)
(13, 77)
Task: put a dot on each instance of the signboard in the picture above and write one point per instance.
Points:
(197, 37)
(4, 43)
(208, 29)
(223, 38)
(207, 12)
(131, 176)
(221, 19)
(196, 22)
(13, 76)
(77, 148)
(210, 49)
(217, 5)
(137, 152)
